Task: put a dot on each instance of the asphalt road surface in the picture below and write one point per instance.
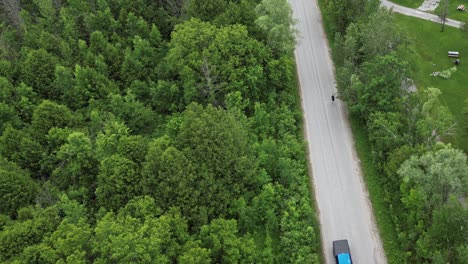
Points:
(417, 13)
(343, 205)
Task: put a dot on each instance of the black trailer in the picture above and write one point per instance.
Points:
(341, 252)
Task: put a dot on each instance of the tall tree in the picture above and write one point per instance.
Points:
(276, 18)
(89, 84)
(212, 62)
(140, 62)
(380, 35)
(47, 13)
(206, 10)
(78, 166)
(385, 132)
(71, 239)
(48, 115)
(38, 71)
(170, 177)
(139, 118)
(124, 238)
(241, 12)
(22, 98)
(33, 225)
(447, 233)
(118, 182)
(208, 150)
(21, 148)
(342, 13)
(17, 189)
(225, 244)
(432, 178)
(379, 85)
(442, 13)
(437, 122)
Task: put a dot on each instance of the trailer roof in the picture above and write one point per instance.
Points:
(340, 246)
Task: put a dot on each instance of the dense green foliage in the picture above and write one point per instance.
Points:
(151, 132)
(424, 181)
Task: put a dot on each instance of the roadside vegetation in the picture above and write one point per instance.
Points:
(418, 181)
(151, 132)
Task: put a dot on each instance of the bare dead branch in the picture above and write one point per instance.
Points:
(12, 10)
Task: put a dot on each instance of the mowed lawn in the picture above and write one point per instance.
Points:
(431, 48)
(452, 11)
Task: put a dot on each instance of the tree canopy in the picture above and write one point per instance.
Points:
(149, 132)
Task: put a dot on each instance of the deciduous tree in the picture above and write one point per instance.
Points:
(118, 182)
(37, 69)
(437, 122)
(433, 177)
(275, 17)
(78, 165)
(206, 10)
(212, 62)
(447, 233)
(48, 115)
(17, 189)
(379, 85)
(225, 244)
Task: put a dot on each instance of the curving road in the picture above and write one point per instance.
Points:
(342, 200)
(417, 13)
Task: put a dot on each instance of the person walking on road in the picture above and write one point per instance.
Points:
(333, 97)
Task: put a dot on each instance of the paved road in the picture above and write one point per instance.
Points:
(343, 205)
(417, 13)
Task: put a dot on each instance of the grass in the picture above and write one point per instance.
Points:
(431, 55)
(376, 193)
(452, 11)
(408, 3)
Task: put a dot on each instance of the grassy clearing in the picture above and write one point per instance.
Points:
(431, 55)
(376, 193)
(408, 3)
(452, 11)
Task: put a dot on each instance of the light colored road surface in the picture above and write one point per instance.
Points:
(343, 205)
(417, 13)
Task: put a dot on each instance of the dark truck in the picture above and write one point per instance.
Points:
(341, 252)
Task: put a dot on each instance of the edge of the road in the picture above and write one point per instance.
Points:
(306, 145)
(305, 137)
(309, 161)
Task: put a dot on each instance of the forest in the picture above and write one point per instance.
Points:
(139, 131)
(423, 177)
